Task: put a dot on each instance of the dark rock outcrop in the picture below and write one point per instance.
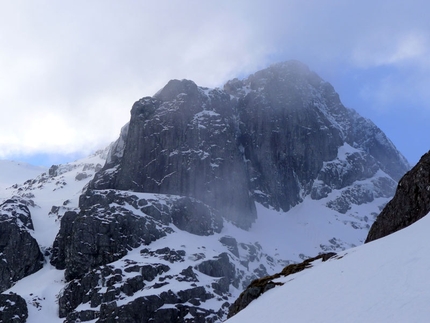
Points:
(99, 235)
(20, 255)
(150, 309)
(13, 308)
(105, 284)
(218, 267)
(112, 222)
(410, 203)
(105, 289)
(231, 244)
(262, 285)
(195, 217)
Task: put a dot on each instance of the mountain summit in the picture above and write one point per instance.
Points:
(205, 191)
(273, 138)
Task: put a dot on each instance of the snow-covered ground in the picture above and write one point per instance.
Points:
(12, 172)
(383, 281)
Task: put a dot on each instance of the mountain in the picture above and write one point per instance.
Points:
(381, 281)
(204, 191)
(273, 138)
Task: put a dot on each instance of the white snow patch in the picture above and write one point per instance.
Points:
(383, 281)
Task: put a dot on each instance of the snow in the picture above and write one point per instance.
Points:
(345, 150)
(12, 172)
(40, 290)
(383, 281)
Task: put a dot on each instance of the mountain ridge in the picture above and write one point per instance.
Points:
(175, 224)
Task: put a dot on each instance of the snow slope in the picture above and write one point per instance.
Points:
(12, 172)
(383, 281)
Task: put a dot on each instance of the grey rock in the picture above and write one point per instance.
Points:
(13, 308)
(53, 170)
(195, 217)
(196, 293)
(410, 203)
(149, 309)
(185, 146)
(166, 254)
(218, 267)
(99, 235)
(188, 275)
(62, 240)
(222, 286)
(82, 316)
(81, 176)
(338, 174)
(231, 244)
(284, 135)
(105, 284)
(20, 255)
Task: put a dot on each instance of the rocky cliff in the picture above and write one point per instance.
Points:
(273, 138)
(205, 191)
(20, 255)
(410, 203)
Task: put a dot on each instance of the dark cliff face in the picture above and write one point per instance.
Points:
(410, 203)
(268, 138)
(284, 135)
(183, 142)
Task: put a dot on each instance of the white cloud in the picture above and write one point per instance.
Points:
(398, 49)
(71, 70)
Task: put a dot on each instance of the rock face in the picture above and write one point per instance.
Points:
(111, 223)
(183, 142)
(20, 255)
(410, 203)
(13, 308)
(273, 138)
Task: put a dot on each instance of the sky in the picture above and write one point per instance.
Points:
(71, 70)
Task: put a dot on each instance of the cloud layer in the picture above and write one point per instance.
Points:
(71, 70)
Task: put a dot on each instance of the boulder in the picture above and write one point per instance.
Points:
(20, 254)
(13, 308)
